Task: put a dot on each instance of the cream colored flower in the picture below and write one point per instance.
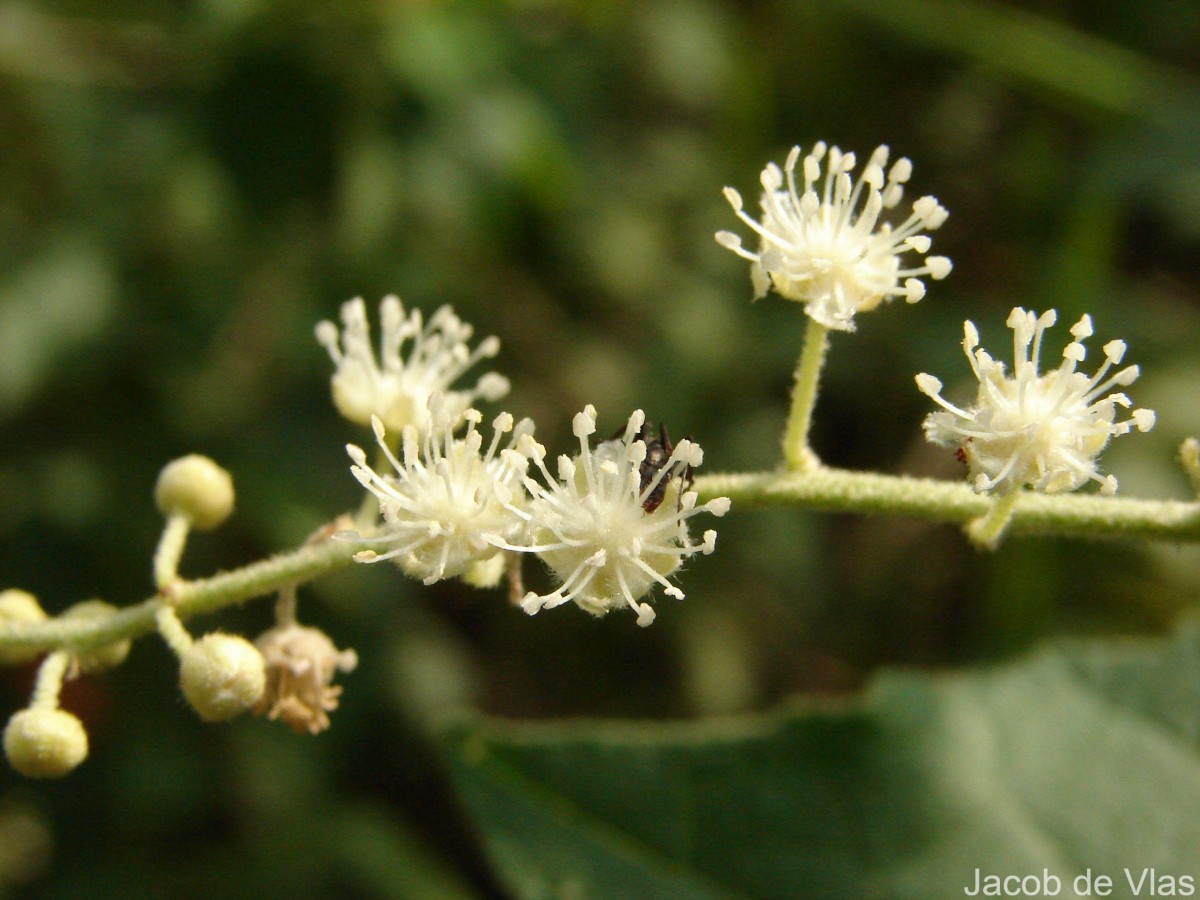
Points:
(396, 385)
(447, 505)
(824, 246)
(604, 527)
(1043, 430)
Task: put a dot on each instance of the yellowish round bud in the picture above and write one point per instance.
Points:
(98, 659)
(45, 743)
(19, 607)
(222, 676)
(196, 488)
(485, 573)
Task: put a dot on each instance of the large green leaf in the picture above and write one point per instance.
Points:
(1080, 756)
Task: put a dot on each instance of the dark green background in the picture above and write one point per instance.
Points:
(186, 188)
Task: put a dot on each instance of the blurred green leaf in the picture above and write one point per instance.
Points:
(389, 860)
(76, 50)
(1081, 755)
(1046, 52)
(59, 302)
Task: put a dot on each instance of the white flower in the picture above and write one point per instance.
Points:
(395, 387)
(597, 526)
(449, 504)
(1027, 428)
(821, 247)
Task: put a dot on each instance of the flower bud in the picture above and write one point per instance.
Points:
(196, 488)
(98, 659)
(485, 573)
(45, 743)
(19, 607)
(222, 675)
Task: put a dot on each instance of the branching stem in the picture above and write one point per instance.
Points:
(820, 488)
(188, 598)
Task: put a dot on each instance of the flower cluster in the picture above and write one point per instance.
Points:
(603, 526)
(447, 507)
(396, 386)
(610, 527)
(611, 521)
(821, 246)
(1043, 430)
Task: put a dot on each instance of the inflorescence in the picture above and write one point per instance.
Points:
(611, 522)
(396, 386)
(452, 508)
(447, 507)
(597, 529)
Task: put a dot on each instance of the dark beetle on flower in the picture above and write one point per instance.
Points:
(658, 455)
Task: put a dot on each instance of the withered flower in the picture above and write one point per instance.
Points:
(301, 663)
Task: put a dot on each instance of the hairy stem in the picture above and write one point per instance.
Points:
(172, 630)
(1069, 515)
(819, 488)
(187, 598)
(986, 531)
(50, 681)
(170, 550)
(797, 454)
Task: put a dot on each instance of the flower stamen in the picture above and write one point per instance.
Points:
(448, 507)
(824, 248)
(396, 387)
(592, 528)
(1044, 431)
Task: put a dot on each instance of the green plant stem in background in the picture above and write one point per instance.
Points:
(797, 454)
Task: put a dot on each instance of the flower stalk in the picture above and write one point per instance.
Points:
(48, 685)
(1189, 458)
(986, 531)
(797, 454)
(170, 550)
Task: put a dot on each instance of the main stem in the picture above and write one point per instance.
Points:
(188, 598)
(823, 487)
(797, 454)
(826, 488)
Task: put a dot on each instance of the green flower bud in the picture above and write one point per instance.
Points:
(45, 743)
(196, 488)
(222, 676)
(19, 607)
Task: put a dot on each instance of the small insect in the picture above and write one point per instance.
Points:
(658, 455)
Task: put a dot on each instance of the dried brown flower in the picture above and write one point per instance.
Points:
(301, 663)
